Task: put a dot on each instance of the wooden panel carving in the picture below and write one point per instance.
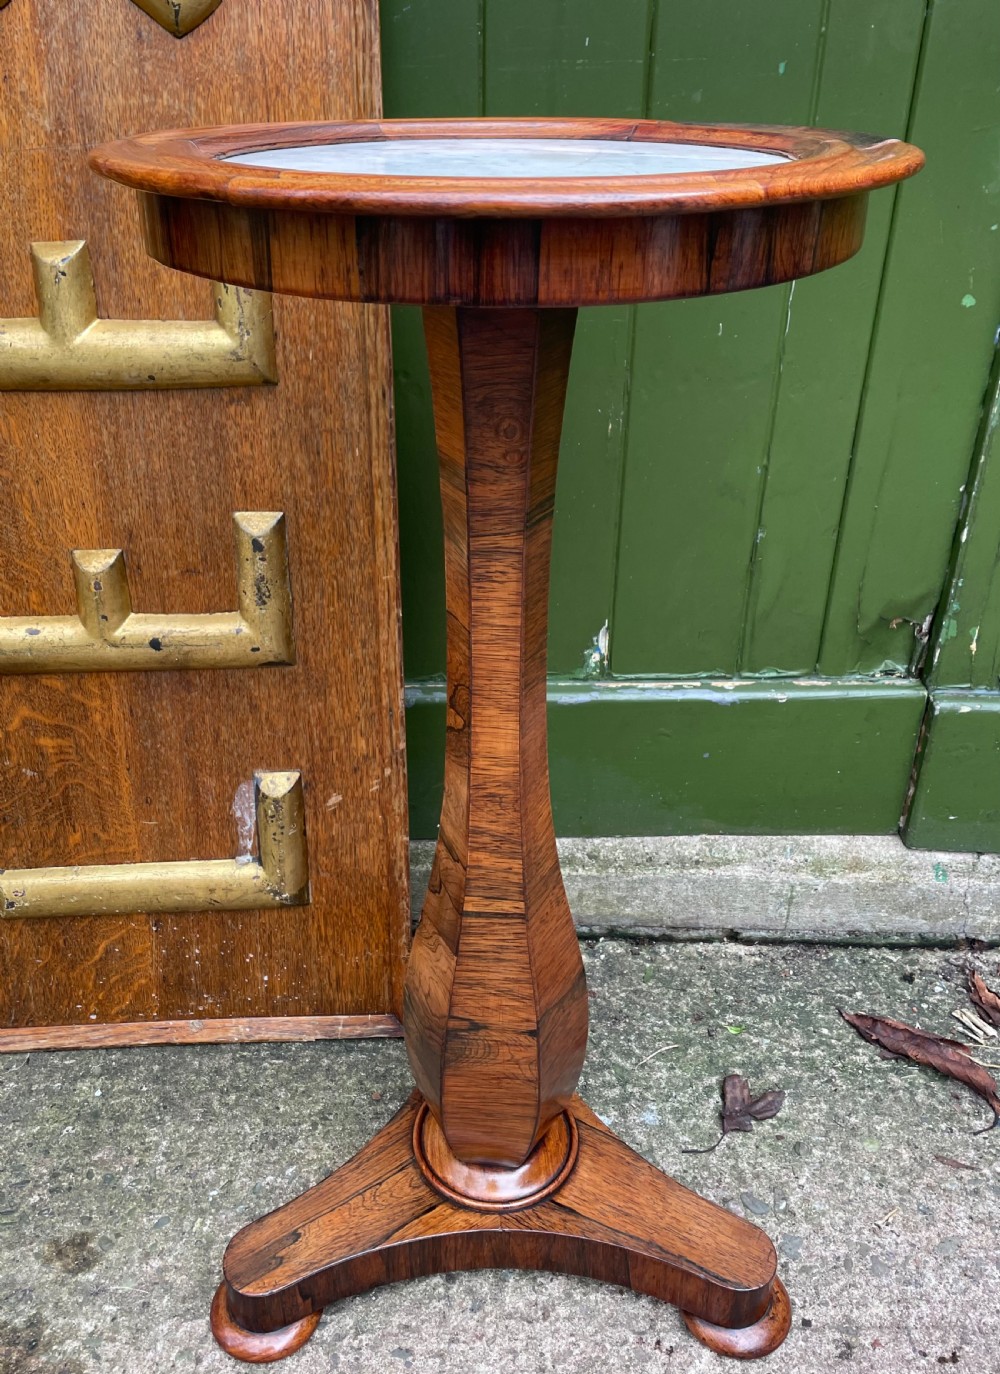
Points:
(141, 767)
(106, 635)
(277, 876)
(67, 348)
(179, 16)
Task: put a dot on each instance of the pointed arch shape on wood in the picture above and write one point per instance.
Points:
(178, 17)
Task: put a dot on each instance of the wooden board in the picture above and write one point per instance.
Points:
(955, 803)
(133, 767)
(933, 346)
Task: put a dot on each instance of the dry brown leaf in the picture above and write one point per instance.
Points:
(740, 1110)
(984, 999)
(735, 1101)
(767, 1105)
(949, 1057)
(953, 1163)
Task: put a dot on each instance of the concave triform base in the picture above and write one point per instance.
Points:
(613, 1217)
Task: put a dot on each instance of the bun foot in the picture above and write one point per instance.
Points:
(257, 1347)
(747, 1342)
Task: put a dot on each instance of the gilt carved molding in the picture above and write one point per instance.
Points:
(278, 875)
(106, 635)
(68, 348)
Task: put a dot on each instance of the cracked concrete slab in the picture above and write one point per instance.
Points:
(123, 1173)
(863, 888)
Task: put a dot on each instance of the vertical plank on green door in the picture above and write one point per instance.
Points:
(966, 647)
(552, 59)
(955, 802)
(421, 539)
(432, 57)
(431, 66)
(870, 52)
(565, 57)
(931, 355)
(704, 371)
(588, 491)
(585, 58)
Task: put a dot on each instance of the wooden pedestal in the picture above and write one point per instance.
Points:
(493, 1162)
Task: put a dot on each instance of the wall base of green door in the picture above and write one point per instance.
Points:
(773, 757)
(956, 801)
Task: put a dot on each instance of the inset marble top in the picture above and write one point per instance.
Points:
(506, 157)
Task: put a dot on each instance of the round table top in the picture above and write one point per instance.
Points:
(429, 167)
(504, 212)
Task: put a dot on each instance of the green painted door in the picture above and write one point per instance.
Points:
(759, 494)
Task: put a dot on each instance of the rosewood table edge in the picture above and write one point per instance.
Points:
(189, 163)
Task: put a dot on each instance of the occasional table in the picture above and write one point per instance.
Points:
(500, 229)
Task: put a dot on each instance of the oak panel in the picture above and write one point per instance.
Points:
(135, 767)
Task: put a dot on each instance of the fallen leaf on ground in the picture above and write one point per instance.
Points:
(740, 1110)
(949, 1057)
(984, 999)
(955, 1163)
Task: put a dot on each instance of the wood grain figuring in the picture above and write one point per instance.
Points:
(617, 1218)
(497, 1069)
(128, 768)
(579, 241)
(747, 1342)
(218, 1030)
(563, 261)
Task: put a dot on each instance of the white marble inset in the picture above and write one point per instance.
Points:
(507, 157)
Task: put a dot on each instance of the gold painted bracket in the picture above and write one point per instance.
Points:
(178, 16)
(106, 635)
(67, 348)
(277, 876)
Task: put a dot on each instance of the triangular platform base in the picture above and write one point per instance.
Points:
(613, 1216)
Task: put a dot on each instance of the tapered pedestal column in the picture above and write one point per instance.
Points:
(494, 1162)
(496, 1003)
